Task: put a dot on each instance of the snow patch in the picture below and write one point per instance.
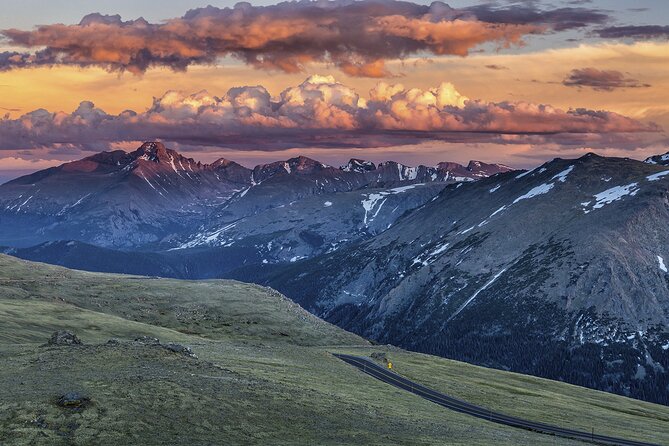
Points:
(657, 176)
(439, 250)
(372, 199)
(207, 238)
(24, 203)
(407, 173)
(539, 190)
(497, 211)
(664, 157)
(525, 173)
(495, 188)
(562, 176)
(70, 206)
(473, 296)
(327, 204)
(613, 194)
(426, 259)
(660, 260)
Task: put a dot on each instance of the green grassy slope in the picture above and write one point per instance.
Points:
(263, 375)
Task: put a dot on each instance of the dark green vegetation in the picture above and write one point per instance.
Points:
(263, 373)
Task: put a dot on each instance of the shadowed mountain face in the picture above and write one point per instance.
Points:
(559, 272)
(156, 197)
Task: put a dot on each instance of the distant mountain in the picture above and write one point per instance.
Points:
(561, 272)
(155, 198)
(116, 198)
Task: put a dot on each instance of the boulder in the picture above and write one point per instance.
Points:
(73, 400)
(64, 337)
(148, 340)
(181, 349)
(379, 356)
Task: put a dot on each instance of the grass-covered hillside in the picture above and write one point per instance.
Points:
(263, 373)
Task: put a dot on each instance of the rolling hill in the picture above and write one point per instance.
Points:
(262, 373)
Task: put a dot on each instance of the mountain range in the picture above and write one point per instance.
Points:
(559, 272)
(155, 198)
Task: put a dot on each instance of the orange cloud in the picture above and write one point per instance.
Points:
(356, 37)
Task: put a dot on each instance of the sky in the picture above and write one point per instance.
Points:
(517, 82)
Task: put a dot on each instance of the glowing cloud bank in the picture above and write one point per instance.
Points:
(319, 112)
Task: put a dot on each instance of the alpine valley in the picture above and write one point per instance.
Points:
(559, 272)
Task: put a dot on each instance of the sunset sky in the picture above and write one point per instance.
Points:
(516, 82)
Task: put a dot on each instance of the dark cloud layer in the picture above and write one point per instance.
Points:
(602, 80)
(319, 113)
(559, 19)
(638, 32)
(356, 36)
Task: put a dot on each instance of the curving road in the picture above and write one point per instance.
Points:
(387, 376)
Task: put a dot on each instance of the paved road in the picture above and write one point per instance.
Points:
(387, 376)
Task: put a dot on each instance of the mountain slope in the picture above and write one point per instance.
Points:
(558, 272)
(263, 373)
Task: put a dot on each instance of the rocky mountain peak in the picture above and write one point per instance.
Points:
(305, 165)
(358, 165)
(297, 165)
(454, 168)
(479, 168)
(222, 163)
(154, 151)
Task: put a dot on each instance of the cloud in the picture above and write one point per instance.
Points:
(357, 37)
(496, 67)
(559, 19)
(601, 80)
(639, 32)
(319, 112)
